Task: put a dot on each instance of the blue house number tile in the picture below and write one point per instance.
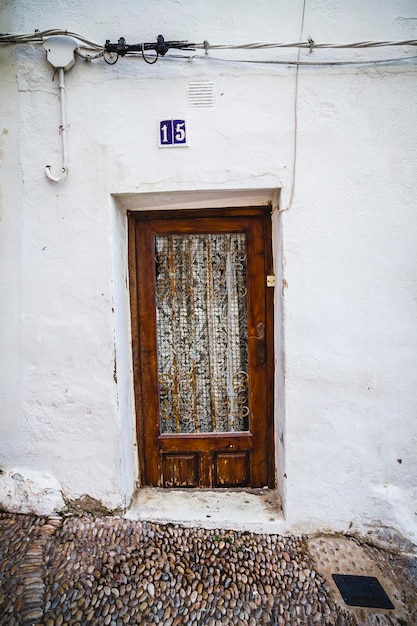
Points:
(172, 133)
(165, 132)
(179, 131)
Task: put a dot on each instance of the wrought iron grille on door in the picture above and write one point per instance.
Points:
(202, 335)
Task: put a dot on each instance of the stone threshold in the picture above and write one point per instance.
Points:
(253, 510)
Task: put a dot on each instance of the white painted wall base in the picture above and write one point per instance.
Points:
(23, 491)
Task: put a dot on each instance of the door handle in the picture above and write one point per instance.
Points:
(261, 348)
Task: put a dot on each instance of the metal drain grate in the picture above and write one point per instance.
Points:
(364, 591)
(201, 93)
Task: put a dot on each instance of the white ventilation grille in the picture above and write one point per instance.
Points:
(201, 93)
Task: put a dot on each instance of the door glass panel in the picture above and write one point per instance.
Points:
(202, 333)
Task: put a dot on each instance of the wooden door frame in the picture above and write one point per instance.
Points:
(133, 217)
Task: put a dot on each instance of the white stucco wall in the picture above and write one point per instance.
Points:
(346, 322)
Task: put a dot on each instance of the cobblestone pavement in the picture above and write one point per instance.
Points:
(108, 570)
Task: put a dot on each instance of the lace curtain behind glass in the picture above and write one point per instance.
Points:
(201, 308)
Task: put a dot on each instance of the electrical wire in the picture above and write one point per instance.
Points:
(89, 57)
(146, 59)
(295, 63)
(310, 45)
(38, 36)
(114, 58)
(294, 162)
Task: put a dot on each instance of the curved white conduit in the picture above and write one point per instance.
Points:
(60, 54)
(62, 132)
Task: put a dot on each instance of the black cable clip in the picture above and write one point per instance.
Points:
(161, 47)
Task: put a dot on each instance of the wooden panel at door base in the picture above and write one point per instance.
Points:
(231, 469)
(180, 470)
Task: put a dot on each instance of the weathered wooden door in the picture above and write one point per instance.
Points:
(202, 338)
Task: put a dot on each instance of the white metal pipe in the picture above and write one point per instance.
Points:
(62, 132)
